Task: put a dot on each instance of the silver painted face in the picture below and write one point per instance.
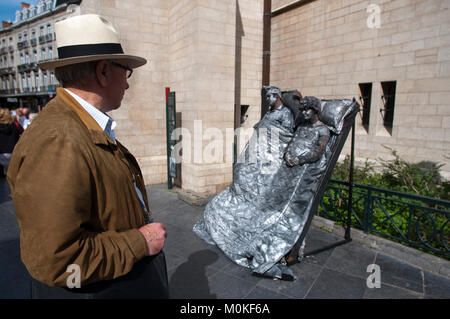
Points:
(309, 115)
(271, 99)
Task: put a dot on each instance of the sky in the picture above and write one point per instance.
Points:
(8, 8)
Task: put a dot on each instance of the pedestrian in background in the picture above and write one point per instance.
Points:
(24, 118)
(16, 114)
(9, 135)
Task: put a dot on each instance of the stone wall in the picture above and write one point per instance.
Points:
(210, 53)
(196, 48)
(214, 63)
(325, 48)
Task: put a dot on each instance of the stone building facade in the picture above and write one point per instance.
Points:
(355, 48)
(210, 53)
(24, 42)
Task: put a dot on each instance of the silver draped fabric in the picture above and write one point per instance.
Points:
(261, 215)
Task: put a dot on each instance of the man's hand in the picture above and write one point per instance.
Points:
(155, 236)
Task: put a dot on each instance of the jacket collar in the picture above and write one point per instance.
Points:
(98, 136)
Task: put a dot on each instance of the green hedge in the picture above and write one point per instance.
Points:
(396, 217)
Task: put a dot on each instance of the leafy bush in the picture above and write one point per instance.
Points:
(421, 224)
(422, 178)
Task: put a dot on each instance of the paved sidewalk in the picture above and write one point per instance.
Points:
(198, 270)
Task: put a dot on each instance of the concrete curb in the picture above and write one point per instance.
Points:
(427, 262)
(192, 198)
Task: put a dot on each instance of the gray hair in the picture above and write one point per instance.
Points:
(75, 74)
(311, 102)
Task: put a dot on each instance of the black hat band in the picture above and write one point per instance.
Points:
(72, 51)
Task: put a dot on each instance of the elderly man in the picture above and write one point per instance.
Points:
(79, 195)
(278, 112)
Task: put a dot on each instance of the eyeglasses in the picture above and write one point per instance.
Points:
(128, 69)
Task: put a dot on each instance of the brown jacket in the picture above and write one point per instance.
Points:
(74, 197)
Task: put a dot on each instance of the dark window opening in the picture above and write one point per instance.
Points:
(388, 99)
(244, 115)
(366, 100)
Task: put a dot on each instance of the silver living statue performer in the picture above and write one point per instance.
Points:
(258, 219)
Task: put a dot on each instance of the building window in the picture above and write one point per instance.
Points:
(21, 58)
(25, 36)
(388, 98)
(27, 58)
(35, 56)
(29, 81)
(18, 16)
(45, 76)
(33, 34)
(25, 13)
(50, 53)
(40, 7)
(37, 81)
(52, 79)
(43, 56)
(24, 82)
(41, 30)
(49, 29)
(366, 100)
(48, 4)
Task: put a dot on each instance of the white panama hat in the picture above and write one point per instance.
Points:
(85, 38)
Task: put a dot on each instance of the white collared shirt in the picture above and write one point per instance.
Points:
(106, 122)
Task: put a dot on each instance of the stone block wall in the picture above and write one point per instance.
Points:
(197, 48)
(326, 49)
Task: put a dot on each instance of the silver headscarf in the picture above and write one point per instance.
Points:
(272, 90)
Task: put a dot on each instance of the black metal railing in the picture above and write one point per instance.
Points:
(46, 88)
(46, 38)
(26, 67)
(417, 221)
(10, 91)
(23, 45)
(7, 70)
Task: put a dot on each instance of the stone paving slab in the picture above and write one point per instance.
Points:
(337, 273)
(400, 274)
(201, 271)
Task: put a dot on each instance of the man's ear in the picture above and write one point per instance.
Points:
(103, 72)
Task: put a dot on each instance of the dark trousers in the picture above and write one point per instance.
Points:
(147, 280)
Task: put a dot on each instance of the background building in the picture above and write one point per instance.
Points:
(29, 39)
(211, 54)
